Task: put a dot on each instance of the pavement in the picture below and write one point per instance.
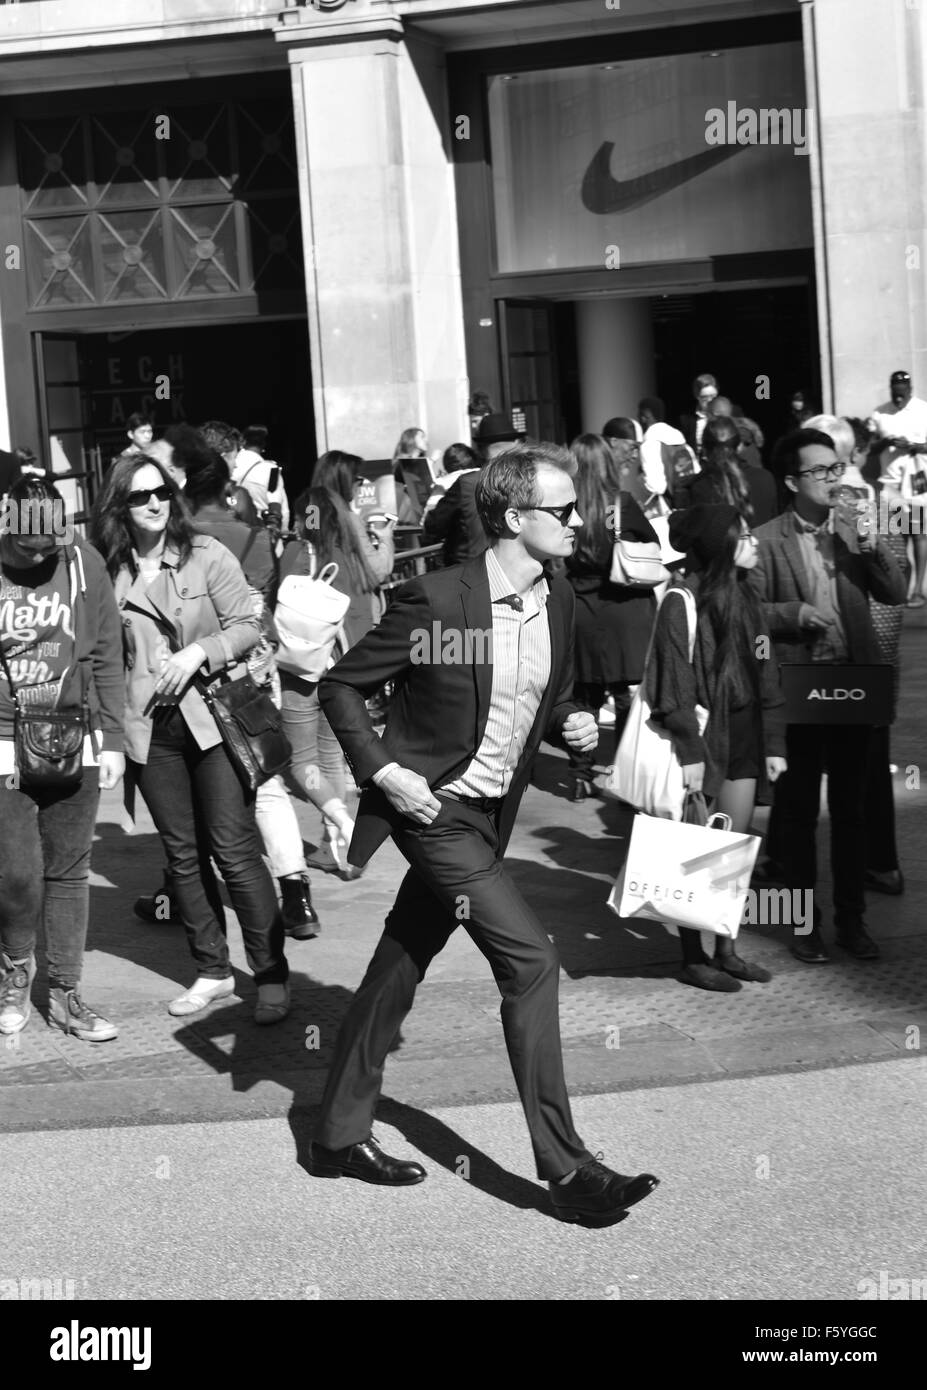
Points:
(626, 1020)
(774, 1188)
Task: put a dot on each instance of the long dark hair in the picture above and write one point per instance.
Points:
(337, 472)
(595, 474)
(110, 529)
(407, 447)
(207, 482)
(734, 613)
(720, 464)
(336, 529)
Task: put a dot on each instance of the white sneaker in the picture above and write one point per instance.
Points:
(201, 993)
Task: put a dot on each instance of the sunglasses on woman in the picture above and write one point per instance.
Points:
(143, 496)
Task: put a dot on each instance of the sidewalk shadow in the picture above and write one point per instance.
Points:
(133, 865)
(229, 1041)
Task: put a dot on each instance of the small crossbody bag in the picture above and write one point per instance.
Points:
(48, 742)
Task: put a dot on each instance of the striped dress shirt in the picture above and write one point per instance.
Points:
(520, 673)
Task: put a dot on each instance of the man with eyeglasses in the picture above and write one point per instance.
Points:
(815, 580)
(445, 782)
(902, 423)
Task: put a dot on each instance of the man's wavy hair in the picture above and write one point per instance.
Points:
(511, 480)
(110, 530)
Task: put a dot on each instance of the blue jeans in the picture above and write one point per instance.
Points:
(45, 839)
(316, 771)
(201, 810)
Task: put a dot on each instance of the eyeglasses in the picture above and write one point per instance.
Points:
(562, 514)
(823, 471)
(143, 496)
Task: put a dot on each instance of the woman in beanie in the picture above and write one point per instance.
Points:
(733, 676)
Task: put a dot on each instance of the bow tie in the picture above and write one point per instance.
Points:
(513, 601)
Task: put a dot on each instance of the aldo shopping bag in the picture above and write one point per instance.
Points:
(646, 772)
(695, 876)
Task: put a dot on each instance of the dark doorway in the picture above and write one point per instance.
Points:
(739, 336)
(244, 374)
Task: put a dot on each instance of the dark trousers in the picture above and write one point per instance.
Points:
(45, 840)
(842, 751)
(456, 878)
(881, 848)
(591, 695)
(201, 810)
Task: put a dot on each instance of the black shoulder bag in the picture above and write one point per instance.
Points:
(48, 742)
(249, 724)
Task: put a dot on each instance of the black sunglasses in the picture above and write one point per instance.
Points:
(562, 514)
(143, 496)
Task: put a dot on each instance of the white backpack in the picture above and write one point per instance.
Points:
(309, 617)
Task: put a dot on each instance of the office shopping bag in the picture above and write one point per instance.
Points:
(695, 876)
(646, 772)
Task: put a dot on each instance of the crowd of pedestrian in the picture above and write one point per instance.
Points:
(192, 534)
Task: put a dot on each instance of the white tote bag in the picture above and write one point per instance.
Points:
(309, 617)
(695, 876)
(646, 772)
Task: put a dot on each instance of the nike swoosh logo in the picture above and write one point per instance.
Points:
(601, 193)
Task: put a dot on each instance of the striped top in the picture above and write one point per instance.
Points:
(520, 673)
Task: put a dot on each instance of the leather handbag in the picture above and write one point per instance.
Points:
(251, 729)
(48, 743)
(635, 564)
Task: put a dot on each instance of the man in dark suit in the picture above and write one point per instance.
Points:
(815, 578)
(482, 657)
(705, 390)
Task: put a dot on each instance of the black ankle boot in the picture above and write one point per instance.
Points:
(160, 906)
(300, 919)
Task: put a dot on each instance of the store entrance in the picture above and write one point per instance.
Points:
(244, 374)
(570, 365)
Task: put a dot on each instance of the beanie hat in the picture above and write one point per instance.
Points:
(701, 530)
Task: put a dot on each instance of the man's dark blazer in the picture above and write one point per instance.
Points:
(687, 424)
(456, 522)
(782, 583)
(438, 713)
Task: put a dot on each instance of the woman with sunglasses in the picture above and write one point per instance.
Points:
(613, 622)
(741, 751)
(187, 614)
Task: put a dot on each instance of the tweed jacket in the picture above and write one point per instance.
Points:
(783, 585)
(206, 600)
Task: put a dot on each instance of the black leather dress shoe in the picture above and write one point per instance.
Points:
(810, 948)
(857, 941)
(891, 882)
(300, 919)
(596, 1196)
(365, 1161)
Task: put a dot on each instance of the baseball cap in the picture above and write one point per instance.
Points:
(497, 429)
(897, 377)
